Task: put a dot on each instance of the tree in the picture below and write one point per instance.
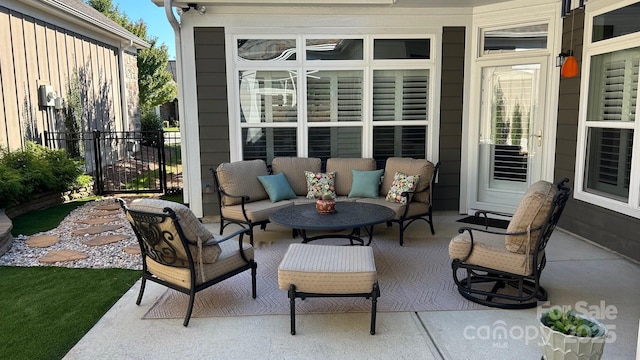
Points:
(516, 125)
(155, 83)
(499, 117)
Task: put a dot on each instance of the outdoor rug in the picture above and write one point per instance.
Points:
(414, 277)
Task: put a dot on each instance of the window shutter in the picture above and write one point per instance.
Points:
(400, 95)
(344, 105)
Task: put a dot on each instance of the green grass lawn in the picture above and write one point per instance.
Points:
(46, 219)
(45, 311)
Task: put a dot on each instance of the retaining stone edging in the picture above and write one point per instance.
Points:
(6, 239)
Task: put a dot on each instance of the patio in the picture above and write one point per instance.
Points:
(578, 274)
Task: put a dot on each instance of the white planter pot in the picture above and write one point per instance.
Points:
(558, 346)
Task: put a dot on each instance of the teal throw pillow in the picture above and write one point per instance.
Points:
(277, 187)
(365, 184)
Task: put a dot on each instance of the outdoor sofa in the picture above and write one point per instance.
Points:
(250, 191)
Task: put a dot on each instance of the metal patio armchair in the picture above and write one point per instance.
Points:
(502, 268)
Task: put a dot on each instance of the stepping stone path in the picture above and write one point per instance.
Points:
(108, 207)
(62, 255)
(42, 241)
(104, 240)
(95, 221)
(104, 213)
(86, 229)
(132, 249)
(93, 230)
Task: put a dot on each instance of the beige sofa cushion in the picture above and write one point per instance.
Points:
(343, 166)
(530, 213)
(191, 226)
(327, 269)
(294, 168)
(241, 178)
(409, 166)
(489, 251)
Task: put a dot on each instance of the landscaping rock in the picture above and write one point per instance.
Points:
(95, 230)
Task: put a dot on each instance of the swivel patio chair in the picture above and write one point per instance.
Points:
(502, 268)
(180, 253)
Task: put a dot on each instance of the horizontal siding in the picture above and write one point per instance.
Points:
(212, 109)
(447, 191)
(602, 226)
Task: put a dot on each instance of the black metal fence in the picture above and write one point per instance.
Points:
(126, 161)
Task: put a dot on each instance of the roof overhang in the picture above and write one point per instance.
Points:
(82, 16)
(403, 3)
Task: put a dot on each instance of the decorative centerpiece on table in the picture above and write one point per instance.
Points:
(326, 204)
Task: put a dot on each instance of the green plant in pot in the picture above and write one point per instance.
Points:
(567, 335)
(326, 204)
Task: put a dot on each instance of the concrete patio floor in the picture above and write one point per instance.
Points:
(578, 274)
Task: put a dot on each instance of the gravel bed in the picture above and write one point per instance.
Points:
(102, 256)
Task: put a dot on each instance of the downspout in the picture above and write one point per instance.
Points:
(175, 24)
(125, 121)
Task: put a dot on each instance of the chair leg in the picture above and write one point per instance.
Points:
(374, 306)
(292, 305)
(433, 232)
(144, 282)
(192, 297)
(401, 226)
(253, 279)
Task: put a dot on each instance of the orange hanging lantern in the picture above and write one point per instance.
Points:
(569, 67)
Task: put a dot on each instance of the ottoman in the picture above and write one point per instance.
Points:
(329, 271)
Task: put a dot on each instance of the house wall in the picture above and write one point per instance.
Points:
(602, 226)
(214, 119)
(36, 52)
(447, 191)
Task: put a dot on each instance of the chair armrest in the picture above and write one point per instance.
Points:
(471, 230)
(485, 214)
(244, 198)
(227, 237)
(240, 234)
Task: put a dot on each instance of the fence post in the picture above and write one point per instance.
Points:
(97, 151)
(162, 167)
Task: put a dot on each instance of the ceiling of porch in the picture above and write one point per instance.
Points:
(399, 3)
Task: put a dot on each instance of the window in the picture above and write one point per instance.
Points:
(606, 174)
(613, 89)
(521, 38)
(335, 101)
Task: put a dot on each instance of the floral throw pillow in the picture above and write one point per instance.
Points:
(320, 183)
(402, 183)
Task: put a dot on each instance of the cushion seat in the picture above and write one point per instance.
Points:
(489, 252)
(325, 269)
(256, 211)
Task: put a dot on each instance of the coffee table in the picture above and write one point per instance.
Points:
(348, 215)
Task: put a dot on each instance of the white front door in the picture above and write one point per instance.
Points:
(510, 134)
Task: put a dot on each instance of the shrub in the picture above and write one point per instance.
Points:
(33, 170)
(151, 126)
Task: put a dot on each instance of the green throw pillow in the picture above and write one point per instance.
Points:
(402, 183)
(277, 187)
(365, 183)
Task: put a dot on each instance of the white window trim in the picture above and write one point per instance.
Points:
(368, 65)
(632, 206)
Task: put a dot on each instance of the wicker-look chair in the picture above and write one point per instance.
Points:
(180, 253)
(502, 268)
